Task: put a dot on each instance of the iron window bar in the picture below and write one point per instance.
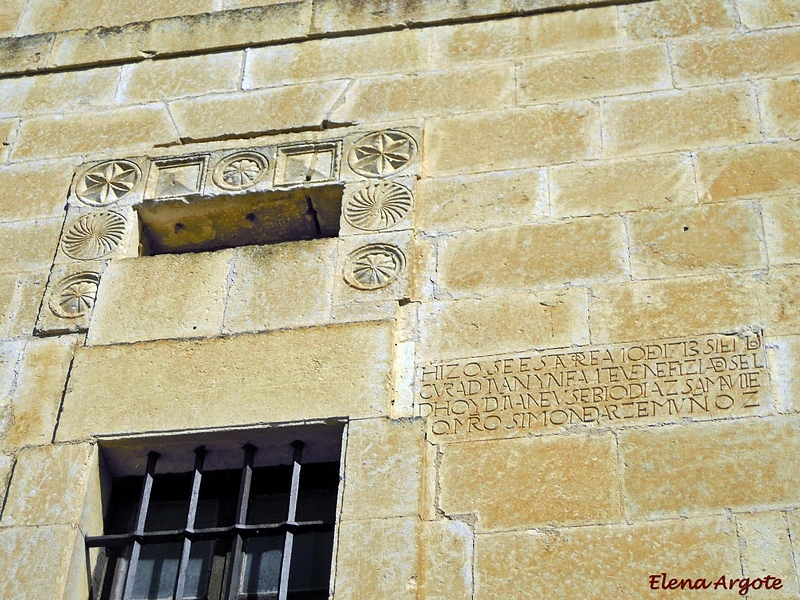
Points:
(238, 533)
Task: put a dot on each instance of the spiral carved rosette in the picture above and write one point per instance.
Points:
(94, 235)
(374, 266)
(240, 171)
(382, 153)
(107, 182)
(378, 206)
(74, 296)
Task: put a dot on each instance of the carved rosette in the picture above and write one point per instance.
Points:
(382, 153)
(94, 235)
(107, 182)
(74, 296)
(378, 206)
(374, 266)
(240, 171)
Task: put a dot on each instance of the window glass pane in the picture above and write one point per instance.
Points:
(199, 570)
(311, 561)
(262, 564)
(317, 499)
(157, 571)
(268, 509)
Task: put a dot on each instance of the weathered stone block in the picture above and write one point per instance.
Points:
(463, 328)
(537, 35)
(483, 478)
(481, 201)
(512, 139)
(767, 550)
(34, 190)
(342, 370)
(594, 74)
(49, 485)
(783, 355)
(447, 559)
(613, 561)
(737, 57)
(384, 468)
(94, 132)
(758, 14)
(10, 14)
(20, 299)
(672, 308)
(44, 578)
(529, 257)
(263, 111)
(6, 466)
(190, 76)
(680, 120)
(781, 224)
(391, 52)
(781, 107)
(748, 171)
(8, 131)
(780, 300)
(28, 245)
(709, 467)
(281, 285)
(20, 54)
(37, 394)
(377, 559)
(622, 185)
(694, 240)
(674, 18)
(382, 99)
(158, 297)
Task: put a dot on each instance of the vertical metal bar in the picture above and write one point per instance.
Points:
(288, 542)
(141, 519)
(183, 567)
(237, 547)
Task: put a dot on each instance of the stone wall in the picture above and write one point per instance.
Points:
(576, 366)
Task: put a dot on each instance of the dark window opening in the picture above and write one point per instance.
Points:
(177, 226)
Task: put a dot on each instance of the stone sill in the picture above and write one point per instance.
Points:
(289, 22)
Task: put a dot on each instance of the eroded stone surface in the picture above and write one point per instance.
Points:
(674, 18)
(34, 190)
(53, 548)
(783, 354)
(447, 558)
(780, 298)
(781, 224)
(28, 245)
(781, 99)
(767, 550)
(757, 14)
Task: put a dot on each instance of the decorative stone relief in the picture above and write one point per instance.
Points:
(307, 163)
(240, 171)
(175, 177)
(94, 235)
(382, 153)
(374, 266)
(378, 206)
(107, 182)
(74, 295)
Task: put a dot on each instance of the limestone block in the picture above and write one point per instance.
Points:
(31, 53)
(511, 139)
(748, 171)
(6, 466)
(281, 285)
(793, 519)
(709, 467)
(781, 224)
(384, 468)
(189, 76)
(537, 35)
(781, 106)
(94, 132)
(780, 300)
(622, 185)
(10, 353)
(28, 245)
(49, 485)
(758, 14)
(675, 18)
(512, 323)
(377, 559)
(783, 356)
(342, 370)
(260, 111)
(613, 561)
(34, 190)
(529, 257)
(481, 201)
(680, 120)
(343, 15)
(318, 60)
(672, 308)
(694, 240)
(8, 131)
(8, 302)
(738, 57)
(45, 577)
(767, 550)
(38, 392)
(20, 299)
(181, 35)
(447, 559)
(382, 99)
(164, 296)
(10, 13)
(483, 478)
(59, 92)
(593, 74)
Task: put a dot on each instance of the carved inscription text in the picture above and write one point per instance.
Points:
(708, 376)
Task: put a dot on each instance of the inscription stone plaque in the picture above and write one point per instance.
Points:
(638, 383)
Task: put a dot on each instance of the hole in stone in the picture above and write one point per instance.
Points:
(685, 228)
(176, 226)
